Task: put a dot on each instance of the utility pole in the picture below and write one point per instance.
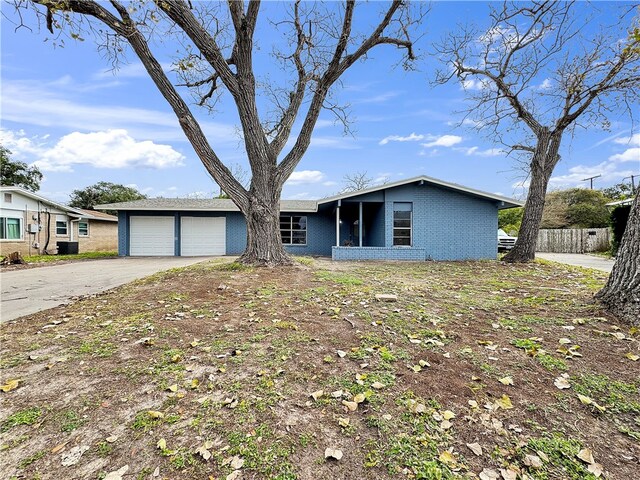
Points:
(633, 183)
(591, 180)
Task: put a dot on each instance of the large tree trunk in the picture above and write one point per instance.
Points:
(621, 294)
(543, 162)
(264, 244)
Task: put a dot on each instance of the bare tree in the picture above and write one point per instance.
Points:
(323, 42)
(532, 77)
(621, 294)
(356, 181)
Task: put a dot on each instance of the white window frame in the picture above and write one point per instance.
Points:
(3, 220)
(80, 234)
(65, 220)
(291, 230)
(410, 227)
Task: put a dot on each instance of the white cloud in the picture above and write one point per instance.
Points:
(329, 183)
(546, 84)
(340, 143)
(107, 149)
(473, 84)
(303, 177)
(442, 141)
(609, 172)
(397, 138)
(633, 140)
(475, 151)
(629, 155)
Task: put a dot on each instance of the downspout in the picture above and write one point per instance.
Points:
(46, 244)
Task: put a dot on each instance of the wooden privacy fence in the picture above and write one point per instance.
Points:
(574, 240)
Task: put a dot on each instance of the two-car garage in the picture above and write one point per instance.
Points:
(151, 236)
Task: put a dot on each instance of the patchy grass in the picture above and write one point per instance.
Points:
(209, 369)
(64, 258)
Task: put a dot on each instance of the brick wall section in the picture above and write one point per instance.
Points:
(378, 253)
(102, 237)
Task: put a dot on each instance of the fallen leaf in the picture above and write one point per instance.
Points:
(488, 474)
(533, 461)
(378, 385)
(111, 439)
(237, 462)
(475, 448)
(234, 475)
(448, 415)
(155, 414)
(633, 357)
(586, 455)
(564, 341)
(351, 406)
(359, 398)
(317, 395)
(508, 474)
(506, 380)
(162, 444)
(341, 353)
(332, 453)
(343, 422)
(596, 469)
(337, 394)
(562, 382)
(447, 458)
(10, 385)
(173, 388)
(117, 474)
(58, 448)
(504, 402)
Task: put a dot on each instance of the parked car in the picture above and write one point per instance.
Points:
(505, 241)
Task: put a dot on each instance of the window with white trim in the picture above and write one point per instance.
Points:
(10, 228)
(83, 229)
(293, 229)
(62, 225)
(402, 223)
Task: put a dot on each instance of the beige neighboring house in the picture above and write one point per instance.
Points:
(33, 225)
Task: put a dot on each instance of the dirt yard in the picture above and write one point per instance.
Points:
(478, 370)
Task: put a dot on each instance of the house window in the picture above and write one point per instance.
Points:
(61, 226)
(83, 229)
(8, 197)
(293, 230)
(10, 228)
(402, 224)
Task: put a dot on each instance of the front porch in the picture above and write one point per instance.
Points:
(361, 234)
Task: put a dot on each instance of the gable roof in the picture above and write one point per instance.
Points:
(504, 202)
(79, 213)
(203, 204)
(227, 205)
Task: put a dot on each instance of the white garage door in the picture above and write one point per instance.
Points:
(202, 236)
(152, 236)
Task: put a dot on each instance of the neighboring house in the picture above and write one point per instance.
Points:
(31, 224)
(421, 218)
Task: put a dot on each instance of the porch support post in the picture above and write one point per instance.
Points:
(338, 223)
(360, 224)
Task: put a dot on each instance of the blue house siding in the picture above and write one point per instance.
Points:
(447, 224)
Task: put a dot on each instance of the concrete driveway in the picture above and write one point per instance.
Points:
(32, 290)
(579, 260)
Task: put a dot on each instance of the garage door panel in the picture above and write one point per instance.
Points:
(202, 236)
(151, 236)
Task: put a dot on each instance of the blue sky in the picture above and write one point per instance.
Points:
(66, 111)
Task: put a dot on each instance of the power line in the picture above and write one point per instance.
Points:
(633, 183)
